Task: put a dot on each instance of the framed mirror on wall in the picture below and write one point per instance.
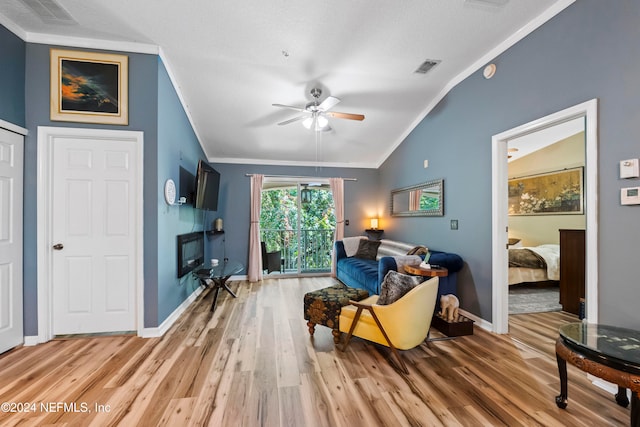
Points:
(425, 199)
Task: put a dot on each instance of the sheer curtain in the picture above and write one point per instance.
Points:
(337, 189)
(254, 270)
(414, 200)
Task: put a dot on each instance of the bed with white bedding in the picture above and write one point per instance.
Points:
(534, 264)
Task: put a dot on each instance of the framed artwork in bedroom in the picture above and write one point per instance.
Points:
(552, 193)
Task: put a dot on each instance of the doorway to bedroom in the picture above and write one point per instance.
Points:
(588, 111)
(545, 195)
(297, 226)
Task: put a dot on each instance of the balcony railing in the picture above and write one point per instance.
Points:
(312, 251)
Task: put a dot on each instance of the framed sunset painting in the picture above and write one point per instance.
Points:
(89, 87)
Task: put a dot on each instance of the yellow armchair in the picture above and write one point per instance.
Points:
(401, 325)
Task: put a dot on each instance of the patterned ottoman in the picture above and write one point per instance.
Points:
(322, 307)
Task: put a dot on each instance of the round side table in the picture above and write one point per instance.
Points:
(416, 270)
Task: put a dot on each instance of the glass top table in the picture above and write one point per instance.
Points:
(608, 352)
(228, 268)
(216, 277)
(618, 347)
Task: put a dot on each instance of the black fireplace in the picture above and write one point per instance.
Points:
(190, 252)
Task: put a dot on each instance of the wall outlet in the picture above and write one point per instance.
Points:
(346, 222)
(454, 224)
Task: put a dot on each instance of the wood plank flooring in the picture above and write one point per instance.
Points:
(253, 363)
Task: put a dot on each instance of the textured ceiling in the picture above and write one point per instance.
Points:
(231, 60)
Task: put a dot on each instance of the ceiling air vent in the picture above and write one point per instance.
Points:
(426, 66)
(50, 11)
(486, 4)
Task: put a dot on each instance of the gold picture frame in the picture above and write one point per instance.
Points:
(89, 87)
(553, 193)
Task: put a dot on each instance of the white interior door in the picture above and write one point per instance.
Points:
(93, 234)
(11, 183)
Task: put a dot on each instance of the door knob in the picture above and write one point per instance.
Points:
(58, 246)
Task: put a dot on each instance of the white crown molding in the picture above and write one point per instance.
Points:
(13, 27)
(183, 102)
(232, 160)
(122, 46)
(531, 26)
(13, 128)
(53, 39)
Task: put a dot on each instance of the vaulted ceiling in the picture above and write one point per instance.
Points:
(231, 60)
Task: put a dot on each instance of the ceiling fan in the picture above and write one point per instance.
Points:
(314, 114)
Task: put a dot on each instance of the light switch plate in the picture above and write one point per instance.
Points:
(454, 224)
(629, 168)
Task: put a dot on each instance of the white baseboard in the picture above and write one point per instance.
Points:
(604, 385)
(31, 340)
(487, 326)
(171, 319)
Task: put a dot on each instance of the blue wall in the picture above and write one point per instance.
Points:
(143, 107)
(12, 63)
(590, 50)
(362, 201)
(177, 146)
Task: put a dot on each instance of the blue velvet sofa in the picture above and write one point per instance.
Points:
(368, 274)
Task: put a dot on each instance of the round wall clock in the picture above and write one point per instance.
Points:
(170, 191)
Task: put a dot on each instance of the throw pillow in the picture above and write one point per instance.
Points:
(395, 285)
(418, 250)
(367, 249)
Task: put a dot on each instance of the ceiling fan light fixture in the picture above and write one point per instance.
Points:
(316, 123)
(314, 114)
(308, 122)
(322, 122)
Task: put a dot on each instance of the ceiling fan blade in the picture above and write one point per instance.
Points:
(289, 107)
(328, 103)
(349, 116)
(295, 119)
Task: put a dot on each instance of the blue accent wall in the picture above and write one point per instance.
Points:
(590, 50)
(362, 201)
(12, 63)
(143, 108)
(177, 146)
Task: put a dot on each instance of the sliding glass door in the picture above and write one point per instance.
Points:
(298, 220)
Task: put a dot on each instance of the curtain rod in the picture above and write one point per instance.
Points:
(300, 177)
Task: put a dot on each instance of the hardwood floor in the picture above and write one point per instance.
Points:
(253, 363)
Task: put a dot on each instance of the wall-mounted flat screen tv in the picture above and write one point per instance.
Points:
(207, 187)
(187, 185)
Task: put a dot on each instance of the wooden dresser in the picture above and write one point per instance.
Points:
(572, 269)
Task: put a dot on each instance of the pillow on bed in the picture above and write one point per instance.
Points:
(395, 285)
(515, 243)
(367, 249)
